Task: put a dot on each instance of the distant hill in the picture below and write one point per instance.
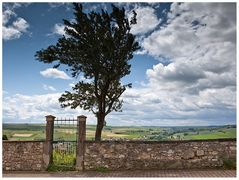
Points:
(149, 133)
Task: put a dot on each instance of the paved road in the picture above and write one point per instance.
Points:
(144, 173)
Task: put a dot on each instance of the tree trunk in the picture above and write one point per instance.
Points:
(99, 127)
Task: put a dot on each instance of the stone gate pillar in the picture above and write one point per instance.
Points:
(48, 145)
(80, 150)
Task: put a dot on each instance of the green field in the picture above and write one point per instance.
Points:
(37, 132)
(225, 133)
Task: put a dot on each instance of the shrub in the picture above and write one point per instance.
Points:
(4, 137)
(229, 163)
(64, 158)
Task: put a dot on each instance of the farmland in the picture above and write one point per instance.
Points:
(37, 132)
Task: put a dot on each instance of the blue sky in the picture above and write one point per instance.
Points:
(184, 74)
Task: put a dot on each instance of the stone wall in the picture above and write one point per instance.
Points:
(28, 155)
(159, 155)
(22, 155)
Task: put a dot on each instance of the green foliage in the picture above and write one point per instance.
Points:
(229, 164)
(99, 46)
(68, 159)
(4, 137)
(62, 162)
(54, 168)
(102, 169)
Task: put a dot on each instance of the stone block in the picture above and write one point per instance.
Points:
(233, 148)
(195, 160)
(200, 152)
(189, 154)
(144, 156)
(170, 151)
(121, 156)
(214, 152)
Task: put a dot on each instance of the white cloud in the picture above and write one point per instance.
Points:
(47, 87)
(6, 15)
(141, 52)
(146, 20)
(18, 26)
(198, 23)
(200, 41)
(71, 85)
(65, 5)
(151, 106)
(10, 33)
(194, 82)
(59, 29)
(143, 106)
(23, 108)
(54, 73)
(176, 72)
(56, 5)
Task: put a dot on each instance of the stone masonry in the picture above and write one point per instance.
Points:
(158, 155)
(22, 155)
(123, 155)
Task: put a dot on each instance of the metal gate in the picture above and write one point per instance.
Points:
(65, 142)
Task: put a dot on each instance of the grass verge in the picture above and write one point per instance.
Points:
(55, 168)
(102, 169)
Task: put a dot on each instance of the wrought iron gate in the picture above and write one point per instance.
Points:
(65, 142)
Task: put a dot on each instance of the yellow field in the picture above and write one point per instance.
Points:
(22, 135)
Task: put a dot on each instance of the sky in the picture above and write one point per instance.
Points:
(183, 75)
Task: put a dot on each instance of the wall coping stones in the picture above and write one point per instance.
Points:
(126, 141)
(25, 141)
(156, 142)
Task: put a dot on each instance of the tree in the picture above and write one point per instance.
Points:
(99, 47)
